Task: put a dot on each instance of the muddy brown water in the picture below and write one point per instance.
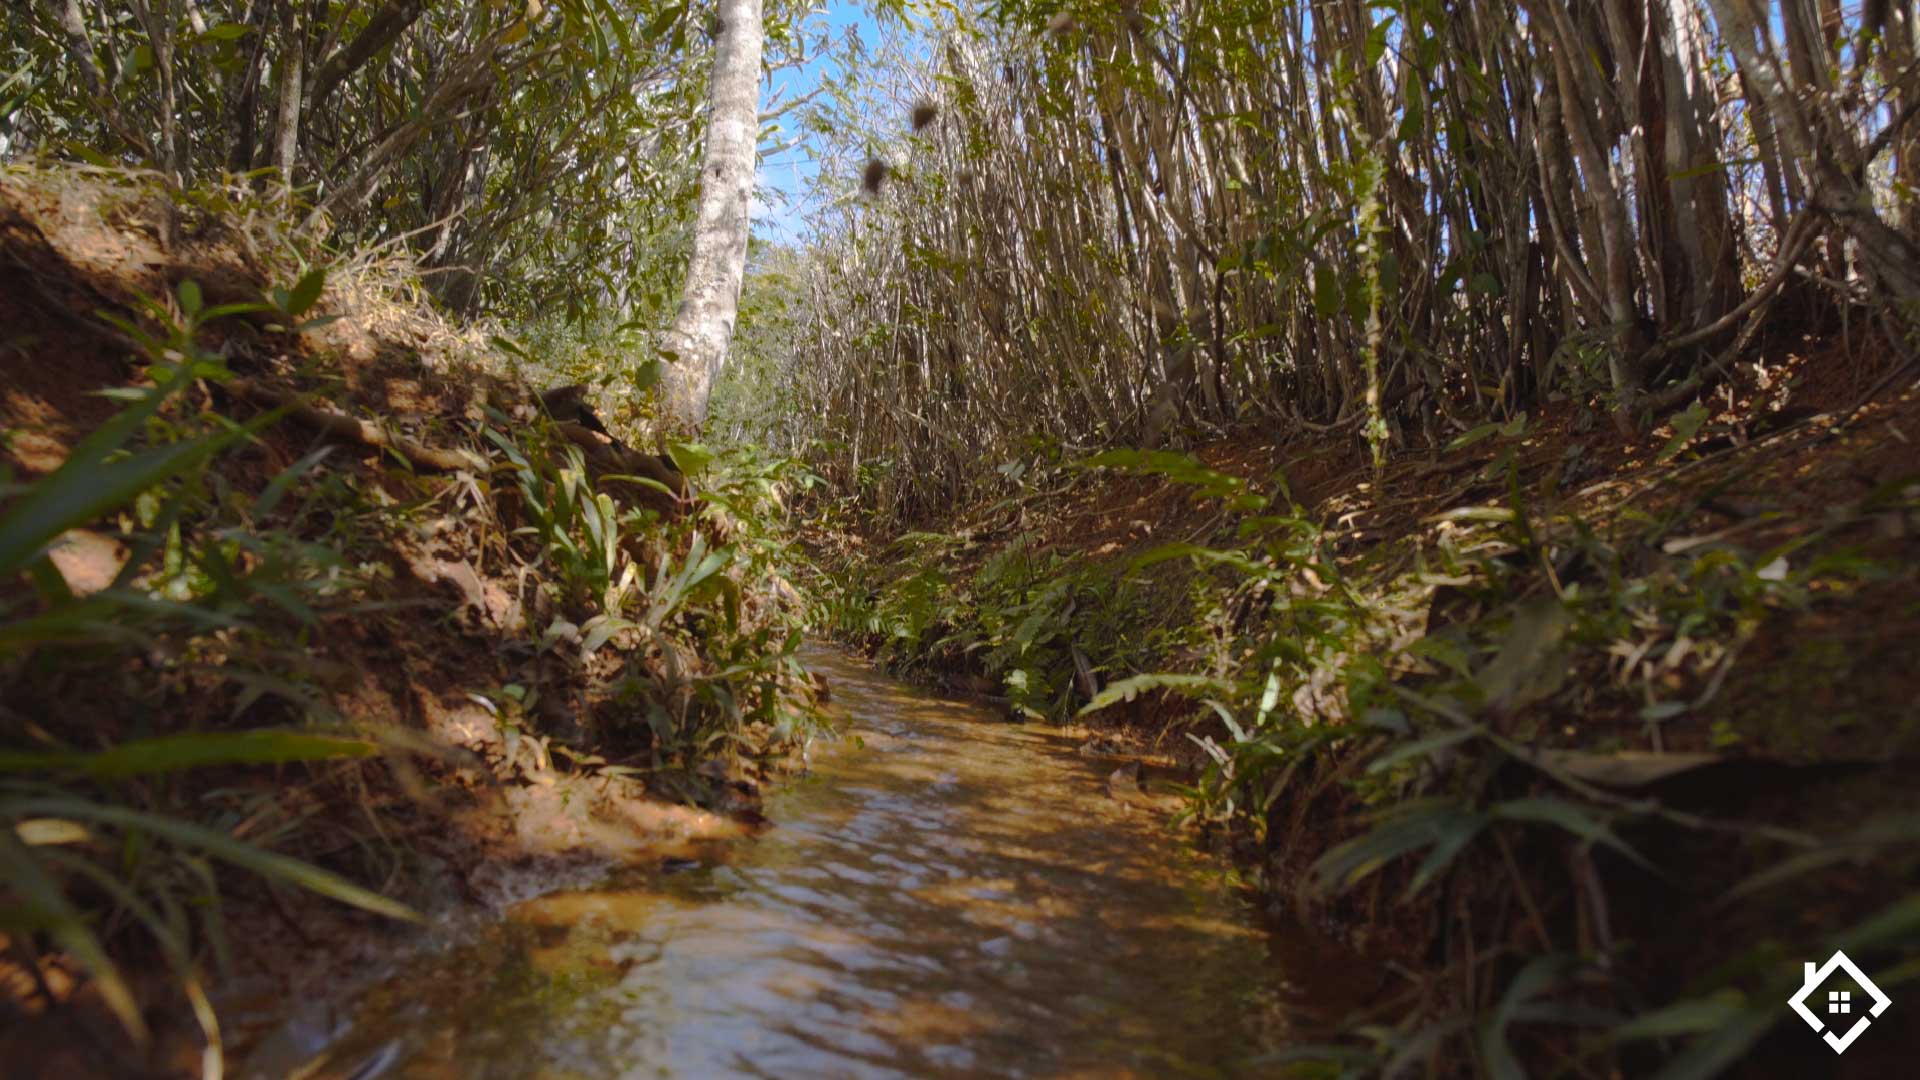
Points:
(943, 894)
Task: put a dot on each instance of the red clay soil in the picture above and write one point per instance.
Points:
(461, 820)
(74, 246)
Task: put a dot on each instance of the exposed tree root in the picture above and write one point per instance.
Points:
(364, 432)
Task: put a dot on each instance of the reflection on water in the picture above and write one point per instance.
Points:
(954, 897)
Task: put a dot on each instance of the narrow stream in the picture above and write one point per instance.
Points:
(944, 895)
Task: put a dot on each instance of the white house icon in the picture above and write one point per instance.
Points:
(1839, 1002)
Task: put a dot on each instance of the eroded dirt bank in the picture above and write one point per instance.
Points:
(323, 581)
(1621, 724)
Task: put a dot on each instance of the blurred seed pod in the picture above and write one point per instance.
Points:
(874, 176)
(924, 113)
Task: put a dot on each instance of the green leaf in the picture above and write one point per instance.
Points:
(1420, 1046)
(1132, 687)
(221, 311)
(1542, 973)
(1572, 817)
(1621, 768)
(507, 344)
(91, 156)
(220, 845)
(1898, 921)
(1689, 1017)
(1454, 836)
(1326, 290)
(94, 620)
(1718, 1048)
(664, 22)
(1445, 650)
(1421, 748)
(1468, 438)
(1411, 119)
(690, 458)
(648, 374)
(1239, 560)
(1685, 427)
(1893, 833)
(1377, 40)
(1530, 664)
(87, 485)
(276, 488)
(306, 292)
(1407, 828)
(305, 325)
(190, 298)
(46, 907)
(192, 750)
(1178, 467)
(599, 629)
(106, 616)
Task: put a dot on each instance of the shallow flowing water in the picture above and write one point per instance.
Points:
(944, 895)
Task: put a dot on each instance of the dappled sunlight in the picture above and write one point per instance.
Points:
(944, 894)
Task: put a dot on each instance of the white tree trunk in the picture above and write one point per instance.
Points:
(703, 328)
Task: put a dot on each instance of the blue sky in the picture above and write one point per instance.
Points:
(788, 172)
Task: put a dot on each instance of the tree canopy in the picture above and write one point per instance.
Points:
(1142, 222)
(538, 158)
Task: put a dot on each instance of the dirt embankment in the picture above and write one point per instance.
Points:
(388, 561)
(1703, 642)
(1808, 433)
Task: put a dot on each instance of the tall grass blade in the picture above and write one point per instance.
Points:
(45, 906)
(244, 855)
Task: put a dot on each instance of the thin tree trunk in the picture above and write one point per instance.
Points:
(382, 30)
(1894, 260)
(286, 131)
(1897, 59)
(467, 77)
(79, 47)
(158, 25)
(703, 329)
(246, 97)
